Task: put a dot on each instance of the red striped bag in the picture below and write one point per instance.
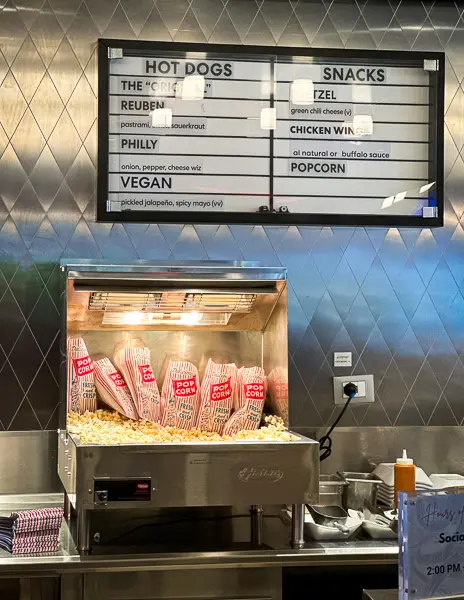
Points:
(251, 393)
(133, 361)
(112, 388)
(180, 395)
(217, 396)
(277, 382)
(82, 396)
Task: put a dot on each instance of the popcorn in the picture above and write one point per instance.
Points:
(104, 428)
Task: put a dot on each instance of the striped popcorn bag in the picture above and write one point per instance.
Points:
(277, 383)
(251, 393)
(133, 361)
(112, 388)
(217, 394)
(180, 395)
(81, 392)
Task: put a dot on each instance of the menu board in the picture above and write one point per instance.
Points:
(192, 133)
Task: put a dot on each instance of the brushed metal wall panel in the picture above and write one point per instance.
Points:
(391, 296)
(435, 449)
(34, 456)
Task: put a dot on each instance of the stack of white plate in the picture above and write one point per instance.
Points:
(446, 480)
(386, 492)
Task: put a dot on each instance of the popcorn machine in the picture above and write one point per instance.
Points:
(129, 330)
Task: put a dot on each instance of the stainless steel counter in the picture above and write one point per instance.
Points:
(67, 560)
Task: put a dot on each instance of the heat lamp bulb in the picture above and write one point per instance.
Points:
(192, 318)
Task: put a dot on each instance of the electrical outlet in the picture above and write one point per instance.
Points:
(365, 384)
(361, 385)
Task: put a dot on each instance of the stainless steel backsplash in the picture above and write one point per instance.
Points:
(393, 297)
(28, 462)
(434, 449)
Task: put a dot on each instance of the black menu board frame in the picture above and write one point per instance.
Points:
(272, 214)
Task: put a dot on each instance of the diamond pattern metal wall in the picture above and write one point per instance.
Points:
(392, 297)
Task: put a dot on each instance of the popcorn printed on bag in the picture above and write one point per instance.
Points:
(113, 389)
(217, 396)
(251, 392)
(146, 373)
(180, 395)
(133, 360)
(82, 395)
(278, 391)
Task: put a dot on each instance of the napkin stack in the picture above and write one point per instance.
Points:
(31, 531)
(386, 493)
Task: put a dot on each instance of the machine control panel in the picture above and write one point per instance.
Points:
(122, 490)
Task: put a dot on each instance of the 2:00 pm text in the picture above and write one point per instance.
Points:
(442, 569)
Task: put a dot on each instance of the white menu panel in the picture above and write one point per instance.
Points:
(186, 134)
(359, 141)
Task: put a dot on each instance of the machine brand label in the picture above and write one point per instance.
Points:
(254, 391)
(83, 366)
(146, 373)
(266, 475)
(184, 387)
(117, 379)
(220, 391)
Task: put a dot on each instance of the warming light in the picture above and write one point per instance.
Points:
(160, 318)
(133, 318)
(192, 318)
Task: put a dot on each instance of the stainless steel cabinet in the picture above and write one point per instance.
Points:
(36, 588)
(214, 584)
